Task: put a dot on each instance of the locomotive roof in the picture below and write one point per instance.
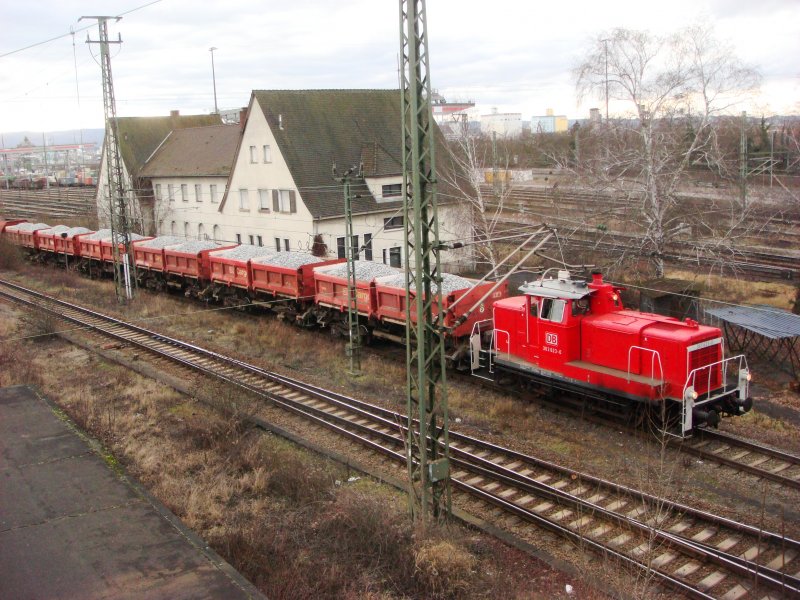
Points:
(570, 289)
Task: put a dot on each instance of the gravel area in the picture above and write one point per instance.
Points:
(100, 234)
(57, 230)
(161, 242)
(244, 252)
(196, 246)
(450, 283)
(118, 238)
(28, 227)
(365, 270)
(73, 231)
(292, 260)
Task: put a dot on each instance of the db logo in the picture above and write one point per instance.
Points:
(551, 339)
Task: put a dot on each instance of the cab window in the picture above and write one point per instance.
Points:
(553, 309)
(534, 308)
(580, 307)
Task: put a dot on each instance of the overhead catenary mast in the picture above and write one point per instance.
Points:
(118, 206)
(427, 442)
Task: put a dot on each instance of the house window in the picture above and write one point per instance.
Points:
(391, 190)
(201, 232)
(393, 223)
(198, 193)
(340, 251)
(173, 228)
(186, 230)
(354, 247)
(395, 259)
(267, 154)
(278, 244)
(263, 200)
(286, 244)
(217, 233)
(253, 154)
(171, 192)
(212, 192)
(260, 241)
(184, 192)
(368, 246)
(238, 238)
(252, 240)
(158, 191)
(284, 201)
(244, 200)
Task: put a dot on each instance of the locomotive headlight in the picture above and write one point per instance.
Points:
(690, 394)
(749, 376)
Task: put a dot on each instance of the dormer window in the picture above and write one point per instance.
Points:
(391, 190)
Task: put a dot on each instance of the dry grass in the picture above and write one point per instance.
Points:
(10, 255)
(730, 289)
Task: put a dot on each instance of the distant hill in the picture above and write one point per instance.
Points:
(73, 136)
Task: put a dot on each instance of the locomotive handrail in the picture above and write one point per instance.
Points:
(655, 355)
(497, 342)
(723, 389)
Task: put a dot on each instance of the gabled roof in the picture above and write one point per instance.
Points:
(315, 128)
(195, 151)
(139, 136)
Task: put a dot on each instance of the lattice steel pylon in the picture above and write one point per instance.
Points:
(351, 254)
(118, 206)
(426, 390)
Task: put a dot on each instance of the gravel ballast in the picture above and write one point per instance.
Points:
(28, 227)
(57, 230)
(196, 246)
(244, 252)
(450, 283)
(161, 242)
(365, 270)
(291, 260)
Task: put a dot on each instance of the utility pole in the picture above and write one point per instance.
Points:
(605, 45)
(426, 390)
(120, 226)
(214, 79)
(743, 160)
(771, 155)
(351, 254)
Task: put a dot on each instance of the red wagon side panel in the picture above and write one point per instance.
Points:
(290, 282)
(195, 265)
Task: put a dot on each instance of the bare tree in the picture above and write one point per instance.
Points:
(672, 88)
(469, 155)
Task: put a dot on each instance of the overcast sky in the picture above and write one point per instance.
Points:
(513, 55)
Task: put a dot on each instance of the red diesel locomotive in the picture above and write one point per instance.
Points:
(575, 336)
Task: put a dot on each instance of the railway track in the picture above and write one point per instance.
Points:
(744, 455)
(696, 553)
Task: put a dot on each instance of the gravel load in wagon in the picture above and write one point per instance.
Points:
(57, 230)
(28, 227)
(365, 270)
(161, 242)
(244, 252)
(100, 234)
(73, 231)
(290, 260)
(450, 283)
(197, 246)
(118, 238)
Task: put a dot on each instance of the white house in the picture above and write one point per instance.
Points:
(138, 137)
(188, 174)
(282, 192)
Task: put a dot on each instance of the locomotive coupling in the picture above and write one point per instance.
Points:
(709, 417)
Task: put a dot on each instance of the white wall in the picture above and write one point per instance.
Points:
(193, 211)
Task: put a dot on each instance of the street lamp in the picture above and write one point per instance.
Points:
(605, 47)
(214, 79)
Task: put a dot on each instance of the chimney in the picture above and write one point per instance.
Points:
(242, 117)
(597, 277)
